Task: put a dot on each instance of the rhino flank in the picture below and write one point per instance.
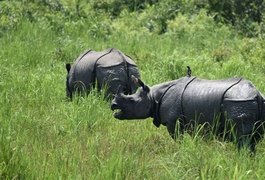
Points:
(109, 68)
(192, 101)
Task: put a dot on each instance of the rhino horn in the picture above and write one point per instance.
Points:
(140, 83)
(68, 67)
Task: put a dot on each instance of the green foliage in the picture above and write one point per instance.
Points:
(43, 136)
(114, 7)
(12, 13)
(246, 15)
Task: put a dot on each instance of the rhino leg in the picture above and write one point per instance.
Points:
(247, 129)
(246, 142)
(171, 130)
(250, 141)
(249, 137)
(68, 89)
(69, 95)
(175, 128)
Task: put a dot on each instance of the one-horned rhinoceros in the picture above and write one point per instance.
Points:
(192, 101)
(110, 68)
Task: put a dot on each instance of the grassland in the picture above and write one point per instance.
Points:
(43, 136)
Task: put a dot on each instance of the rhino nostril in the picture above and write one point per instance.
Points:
(114, 106)
(126, 92)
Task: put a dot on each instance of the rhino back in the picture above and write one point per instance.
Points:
(202, 99)
(114, 58)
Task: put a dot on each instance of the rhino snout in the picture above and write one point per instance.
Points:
(118, 113)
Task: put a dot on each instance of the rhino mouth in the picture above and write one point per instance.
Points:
(117, 111)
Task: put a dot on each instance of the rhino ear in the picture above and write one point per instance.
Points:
(140, 83)
(68, 67)
(145, 87)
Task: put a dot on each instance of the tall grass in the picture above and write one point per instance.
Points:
(43, 136)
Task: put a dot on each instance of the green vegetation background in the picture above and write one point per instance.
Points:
(42, 136)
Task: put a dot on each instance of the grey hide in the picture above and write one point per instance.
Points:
(190, 100)
(110, 68)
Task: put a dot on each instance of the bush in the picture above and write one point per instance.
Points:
(244, 15)
(115, 7)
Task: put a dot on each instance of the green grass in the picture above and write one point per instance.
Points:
(43, 136)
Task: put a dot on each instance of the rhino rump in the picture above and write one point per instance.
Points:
(109, 68)
(116, 77)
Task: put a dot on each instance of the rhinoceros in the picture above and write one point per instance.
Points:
(109, 68)
(189, 101)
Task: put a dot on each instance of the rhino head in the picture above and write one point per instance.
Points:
(134, 106)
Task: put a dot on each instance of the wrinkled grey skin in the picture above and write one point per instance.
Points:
(110, 69)
(189, 101)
